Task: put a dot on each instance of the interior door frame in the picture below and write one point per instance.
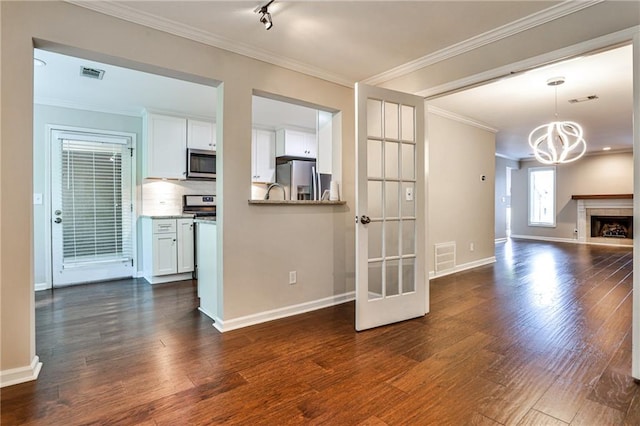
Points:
(629, 35)
(49, 129)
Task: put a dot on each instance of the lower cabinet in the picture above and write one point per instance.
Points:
(168, 246)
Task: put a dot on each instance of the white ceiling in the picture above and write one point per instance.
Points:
(130, 92)
(516, 105)
(353, 41)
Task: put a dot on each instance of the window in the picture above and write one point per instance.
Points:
(542, 196)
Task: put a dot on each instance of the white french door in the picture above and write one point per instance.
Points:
(390, 203)
(91, 207)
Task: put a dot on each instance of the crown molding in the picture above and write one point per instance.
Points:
(506, 157)
(526, 65)
(547, 15)
(460, 118)
(127, 13)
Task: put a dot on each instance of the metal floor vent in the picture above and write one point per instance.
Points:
(91, 72)
(445, 256)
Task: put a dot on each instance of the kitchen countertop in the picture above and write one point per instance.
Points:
(298, 202)
(167, 216)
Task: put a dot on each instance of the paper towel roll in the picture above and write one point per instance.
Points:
(334, 195)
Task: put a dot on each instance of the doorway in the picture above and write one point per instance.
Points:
(92, 209)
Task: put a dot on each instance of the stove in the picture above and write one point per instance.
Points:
(199, 205)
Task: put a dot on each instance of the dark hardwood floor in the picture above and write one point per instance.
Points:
(543, 337)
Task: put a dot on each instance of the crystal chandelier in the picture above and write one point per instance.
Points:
(557, 142)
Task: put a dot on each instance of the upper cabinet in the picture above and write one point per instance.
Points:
(263, 161)
(165, 142)
(294, 143)
(164, 146)
(201, 134)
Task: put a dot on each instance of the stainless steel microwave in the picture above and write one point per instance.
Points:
(201, 164)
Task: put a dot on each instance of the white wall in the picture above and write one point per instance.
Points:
(592, 174)
(461, 205)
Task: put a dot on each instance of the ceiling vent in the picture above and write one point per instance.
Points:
(91, 73)
(585, 99)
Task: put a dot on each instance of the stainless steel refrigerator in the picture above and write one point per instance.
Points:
(297, 178)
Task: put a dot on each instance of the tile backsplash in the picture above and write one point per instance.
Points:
(164, 197)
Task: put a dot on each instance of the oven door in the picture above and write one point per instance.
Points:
(201, 164)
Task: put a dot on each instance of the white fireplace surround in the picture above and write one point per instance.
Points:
(612, 207)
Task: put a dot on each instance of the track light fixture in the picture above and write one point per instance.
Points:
(265, 16)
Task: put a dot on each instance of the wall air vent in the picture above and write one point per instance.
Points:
(585, 99)
(91, 72)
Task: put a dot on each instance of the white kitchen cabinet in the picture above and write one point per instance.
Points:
(185, 245)
(201, 134)
(164, 146)
(263, 156)
(294, 143)
(168, 246)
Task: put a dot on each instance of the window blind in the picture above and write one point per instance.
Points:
(96, 202)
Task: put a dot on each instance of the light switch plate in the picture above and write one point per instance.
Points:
(37, 198)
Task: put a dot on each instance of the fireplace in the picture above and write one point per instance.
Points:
(605, 219)
(612, 226)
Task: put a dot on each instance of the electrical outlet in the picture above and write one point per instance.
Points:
(472, 246)
(293, 277)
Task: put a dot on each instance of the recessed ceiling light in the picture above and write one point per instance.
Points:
(39, 62)
(606, 148)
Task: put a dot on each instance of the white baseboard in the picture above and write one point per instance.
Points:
(18, 375)
(565, 240)
(287, 311)
(464, 267)
(552, 239)
(41, 286)
(501, 240)
(168, 278)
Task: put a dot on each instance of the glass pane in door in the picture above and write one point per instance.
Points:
(374, 199)
(374, 118)
(391, 204)
(392, 277)
(408, 275)
(391, 238)
(408, 161)
(375, 240)
(375, 280)
(407, 125)
(391, 120)
(374, 159)
(391, 160)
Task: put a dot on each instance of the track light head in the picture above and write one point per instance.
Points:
(265, 16)
(266, 19)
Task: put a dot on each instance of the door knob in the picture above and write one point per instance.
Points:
(58, 220)
(364, 219)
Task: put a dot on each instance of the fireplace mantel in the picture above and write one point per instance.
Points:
(603, 197)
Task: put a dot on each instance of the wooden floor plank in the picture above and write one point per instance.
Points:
(540, 337)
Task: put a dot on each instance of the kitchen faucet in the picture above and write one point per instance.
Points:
(284, 194)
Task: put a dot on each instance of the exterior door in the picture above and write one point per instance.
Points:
(91, 207)
(391, 205)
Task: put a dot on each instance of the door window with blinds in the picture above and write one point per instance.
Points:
(92, 207)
